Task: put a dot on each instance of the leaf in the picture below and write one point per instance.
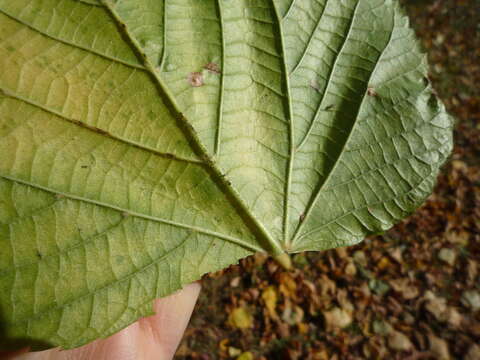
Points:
(399, 341)
(337, 318)
(145, 143)
(246, 356)
(269, 296)
(240, 318)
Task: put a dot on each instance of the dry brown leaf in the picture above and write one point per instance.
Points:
(473, 352)
(435, 305)
(398, 341)
(292, 315)
(235, 281)
(269, 296)
(337, 318)
(448, 256)
(384, 263)
(439, 347)
(350, 269)
(396, 254)
(233, 351)
(327, 286)
(404, 287)
(288, 286)
(223, 345)
(246, 356)
(240, 318)
(472, 271)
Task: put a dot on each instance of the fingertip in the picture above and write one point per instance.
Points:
(165, 329)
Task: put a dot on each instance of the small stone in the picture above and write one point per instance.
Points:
(399, 342)
(439, 348)
(471, 299)
(337, 318)
(448, 256)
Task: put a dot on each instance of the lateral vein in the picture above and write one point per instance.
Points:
(194, 229)
(105, 56)
(98, 131)
(259, 230)
(218, 135)
(329, 78)
(297, 234)
(310, 40)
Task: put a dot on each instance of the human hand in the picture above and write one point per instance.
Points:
(151, 338)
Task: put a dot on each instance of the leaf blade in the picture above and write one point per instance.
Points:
(171, 172)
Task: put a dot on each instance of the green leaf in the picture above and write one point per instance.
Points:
(144, 143)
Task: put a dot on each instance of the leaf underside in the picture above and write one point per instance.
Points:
(144, 143)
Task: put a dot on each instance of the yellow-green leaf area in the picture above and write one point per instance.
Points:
(145, 143)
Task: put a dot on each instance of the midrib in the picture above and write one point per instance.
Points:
(266, 240)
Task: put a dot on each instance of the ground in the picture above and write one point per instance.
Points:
(412, 293)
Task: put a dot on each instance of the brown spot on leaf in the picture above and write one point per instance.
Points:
(371, 92)
(213, 68)
(195, 79)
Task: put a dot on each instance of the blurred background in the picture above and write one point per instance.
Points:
(412, 293)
